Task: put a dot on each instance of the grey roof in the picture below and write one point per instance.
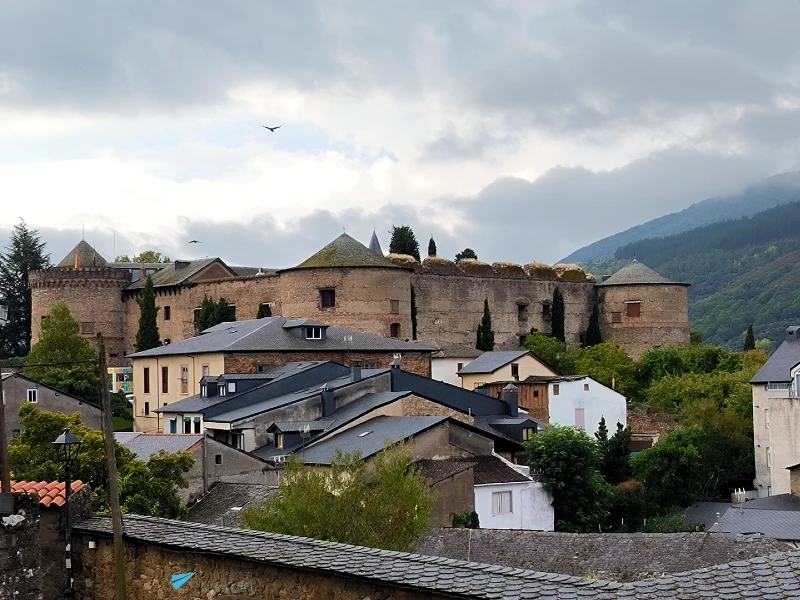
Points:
(170, 275)
(615, 556)
(636, 273)
(492, 469)
(296, 426)
(453, 351)
(344, 251)
(439, 470)
(776, 502)
(489, 362)
(777, 524)
(779, 366)
(775, 576)
(87, 257)
(222, 504)
(704, 513)
(374, 244)
(270, 335)
(144, 445)
(368, 438)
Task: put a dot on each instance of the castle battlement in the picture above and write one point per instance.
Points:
(60, 277)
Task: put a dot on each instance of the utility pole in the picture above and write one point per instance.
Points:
(5, 468)
(113, 477)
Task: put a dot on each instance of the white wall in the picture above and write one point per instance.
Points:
(531, 506)
(597, 402)
(445, 369)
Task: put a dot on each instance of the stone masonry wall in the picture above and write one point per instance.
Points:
(417, 362)
(20, 552)
(149, 571)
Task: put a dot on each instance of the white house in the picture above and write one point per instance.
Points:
(580, 401)
(508, 365)
(507, 497)
(449, 360)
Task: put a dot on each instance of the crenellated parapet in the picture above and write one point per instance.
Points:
(81, 277)
(469, 267)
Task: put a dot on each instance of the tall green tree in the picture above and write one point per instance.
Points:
(386, 506)
(749, 339)
(562, 358)
(146, 488)
(431, 247)
(413, 313)
(213, 313)
(466, 253)
(593, 335)
(557, 316)
(70, 361)
(146, 256)
(404, 241)
(485, 332)
(24, 253)
(147, 335)
(615, 452)
(571, 463)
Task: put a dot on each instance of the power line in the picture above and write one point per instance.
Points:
(60, 364)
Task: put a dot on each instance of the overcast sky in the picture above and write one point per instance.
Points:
(523, 129)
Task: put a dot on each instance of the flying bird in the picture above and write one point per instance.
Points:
(195, 242)
(272, 129)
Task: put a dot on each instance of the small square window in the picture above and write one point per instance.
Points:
(205, 371)
(616, 317)
(460, 366)
(146, 408)
(218, 459)
(556, 389)
(501, 503)
(515, 370)
(232, 387)
(535, 393)
(585, 387)
(528, 433)
(87, 328)
(394, 330)
(167, 313)
(634, 309)
(327, 298)
(545, 311)
(313, 333)
(33, 395)
(167, 341)
(394, 306)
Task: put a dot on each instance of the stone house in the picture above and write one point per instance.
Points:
(511, 365)
(19, 389)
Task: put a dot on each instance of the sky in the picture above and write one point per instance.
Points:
(522, 129)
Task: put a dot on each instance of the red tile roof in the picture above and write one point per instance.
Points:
(50, 493)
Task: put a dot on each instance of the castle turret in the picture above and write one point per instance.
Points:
(92, 290)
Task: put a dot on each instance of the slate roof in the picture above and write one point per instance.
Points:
(345, 251)
(453, 351)
(704, 513)
(489, 362)
(492, 469)
(637, 274)
(374, 244)
(51, 493)
(368, 438)
(777, 524)
(144, 445)
(775, 576)
(270, 335)
(87, 257)
(439, 470)
(169, 275)
(776, 502)
(615, 556)
(222, 504)
(779, 366)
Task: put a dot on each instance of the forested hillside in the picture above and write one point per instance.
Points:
(741, 271)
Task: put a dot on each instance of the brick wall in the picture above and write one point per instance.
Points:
(418, 363)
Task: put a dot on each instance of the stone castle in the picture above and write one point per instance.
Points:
(349, 285)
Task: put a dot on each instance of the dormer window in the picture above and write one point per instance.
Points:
(222, 390)
(204, 391)
(313, 333)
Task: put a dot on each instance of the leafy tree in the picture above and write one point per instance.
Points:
(148, 488)
(120, 406)
(147, 336)
(467, 520)
(610, 365)
(615, 452)
(557, 354)
(404, 241)
(485, 333)
(24, 253)
(386, 506)
(593, 335)
(71, 362)
(431, 247)
(764, 344)
(629, 507)
(557, 316)
(413, 313)
(146, 256)
(695, 338)
(749, 339)
(571, 461)
(264, 310)
(213, 313)
(466, 253)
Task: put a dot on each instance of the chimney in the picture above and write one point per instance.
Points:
(511, 396)
(395, 364)
(328, 403)
(355, 373)
(792, 333)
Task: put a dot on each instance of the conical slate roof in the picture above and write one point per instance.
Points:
(82, 255)
(375, 245)
(344, 251)
(637, 274)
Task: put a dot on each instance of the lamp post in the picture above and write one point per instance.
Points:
(67, 447)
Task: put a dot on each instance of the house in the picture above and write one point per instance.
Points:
(224, 502)
(214, 461)
(19, 389)
(511, 365)
(776, 416)
(167, 374)
(577, 401)
(449, 360)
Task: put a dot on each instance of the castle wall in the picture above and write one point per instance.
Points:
(663, 316)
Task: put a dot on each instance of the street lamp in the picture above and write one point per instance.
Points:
(67, 446)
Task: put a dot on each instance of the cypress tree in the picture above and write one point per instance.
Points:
(404, 241)
(749, 339)
(147, 335)
(414, 313)
(557, 316)
(479, 339)
(593, 336)
(431, 247)
(485, 333)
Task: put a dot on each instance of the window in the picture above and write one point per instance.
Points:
(528, 433)
(173, 425)
(522, 340)
(204, 390)
(197, 424)
(556, 389)
(501, 503)
(206, 371)
(616, 317)
(33, 395)
(184, 379)
(580, 418)
(394, 306)
(279, 440)
(634, 309)
(327, 298)
(146, 378)
(769, 457)
(221, 389)
(522, 312)
(766, 418)
(164, 380)
(515, 370)
(232, 387)
(146, 408)
(313, 333)
(535, 393)
(370, 365)
(15, 433)
(238, 441)
(545, 311)
(218, 459)
(167, 313)
(394, 330)
(167, 341)
(460, 366)
(187, 424)
(778, 386)
(87, 328)
(585, 387)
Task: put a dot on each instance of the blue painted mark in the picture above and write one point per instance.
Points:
(180, 579)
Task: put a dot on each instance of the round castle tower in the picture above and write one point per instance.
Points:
(92, 290)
